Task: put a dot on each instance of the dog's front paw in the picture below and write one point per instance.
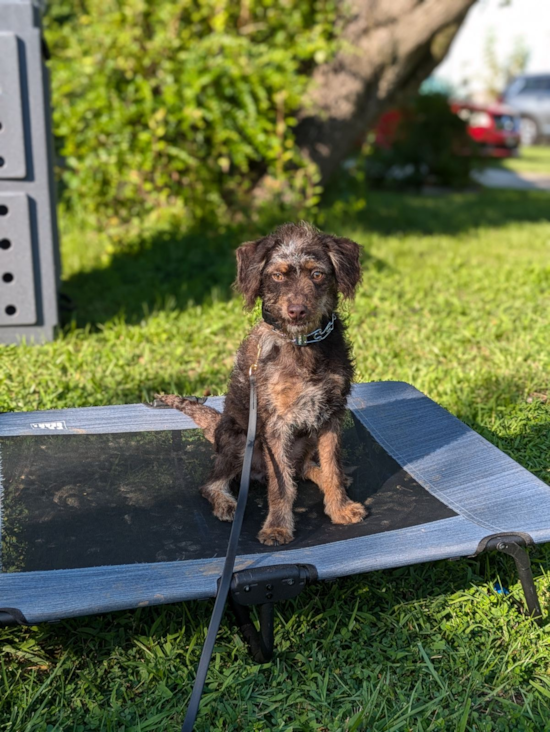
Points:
(275, 536)
(348, 513)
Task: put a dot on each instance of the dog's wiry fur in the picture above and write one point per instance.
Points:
(298, 272)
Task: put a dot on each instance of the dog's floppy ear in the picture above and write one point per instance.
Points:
(345, 257)
(251, 258)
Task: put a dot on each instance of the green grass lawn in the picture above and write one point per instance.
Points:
(455, 300)
(534, 159)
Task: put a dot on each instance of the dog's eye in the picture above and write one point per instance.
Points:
(317, 275)
(278, 276)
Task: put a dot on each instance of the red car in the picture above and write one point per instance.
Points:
(495, 127)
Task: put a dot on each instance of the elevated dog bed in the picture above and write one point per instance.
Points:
(100, 508)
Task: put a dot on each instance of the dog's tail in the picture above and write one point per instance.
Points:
(205, 417)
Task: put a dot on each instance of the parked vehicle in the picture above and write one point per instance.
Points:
(529, 94)
(495, 127)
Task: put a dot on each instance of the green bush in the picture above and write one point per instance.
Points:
(430, 145)
(164, 106)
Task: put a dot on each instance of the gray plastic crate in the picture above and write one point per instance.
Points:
(29, 248)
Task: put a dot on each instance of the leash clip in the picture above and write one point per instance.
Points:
(254, 367)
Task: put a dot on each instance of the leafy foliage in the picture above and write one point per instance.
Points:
(181, 105)
(428, 144)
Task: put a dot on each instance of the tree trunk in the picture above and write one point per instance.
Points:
(389, 48)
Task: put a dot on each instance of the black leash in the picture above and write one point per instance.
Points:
(225, 581)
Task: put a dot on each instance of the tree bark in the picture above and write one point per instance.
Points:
(389, 48)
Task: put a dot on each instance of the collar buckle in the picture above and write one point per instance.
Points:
(316, 335)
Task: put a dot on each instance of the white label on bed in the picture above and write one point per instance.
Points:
(48, 425)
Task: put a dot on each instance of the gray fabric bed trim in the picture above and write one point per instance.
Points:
(454, 463)
(46, 596)
(98, 420)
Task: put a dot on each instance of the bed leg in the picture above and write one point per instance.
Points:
(261, 643)
(264, 586)
(514, 544)
(523, 565)
(12, 616)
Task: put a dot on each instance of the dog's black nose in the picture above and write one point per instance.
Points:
(297, 312)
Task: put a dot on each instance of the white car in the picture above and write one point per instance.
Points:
(529, 94)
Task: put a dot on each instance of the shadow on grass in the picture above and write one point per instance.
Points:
(170, 271)
(173, 270)
(450, 213)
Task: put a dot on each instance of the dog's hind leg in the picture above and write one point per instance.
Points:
(230, 441)
(217, 490)
(222, 501)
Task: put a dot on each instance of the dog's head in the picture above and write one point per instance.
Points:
(298, 272)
